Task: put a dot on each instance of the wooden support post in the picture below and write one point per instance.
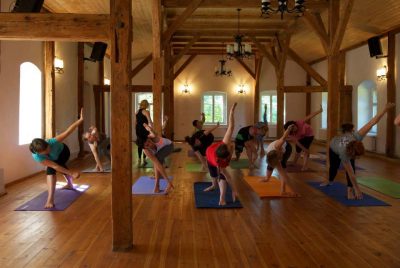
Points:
(49, 91)
(157, 78)
(121, 127)
(168, 93)
(101, 100)
(308, 95)
(258, 64)
(345, 96)
(391, 95)
(81, 84)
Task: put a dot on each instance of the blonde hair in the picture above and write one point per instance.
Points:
(144, 104)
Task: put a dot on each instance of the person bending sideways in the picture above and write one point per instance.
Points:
(199, 143)
(246, 138)
(345, 148)
(218, 156)
(262, 130)
(54, 154)
(198, 124)
(157, 149)
(302, 134)
(99, 145)
(278, 153)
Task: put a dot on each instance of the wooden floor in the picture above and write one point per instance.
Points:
(310, 231)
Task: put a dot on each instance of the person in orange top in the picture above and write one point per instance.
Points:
(218, 156)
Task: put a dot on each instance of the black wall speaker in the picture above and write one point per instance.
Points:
(375, 47)
(98, 51)
(28, 6)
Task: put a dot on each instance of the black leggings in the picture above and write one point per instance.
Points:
(140, 143)
(61, 160)
(334, 164)
(285, 156)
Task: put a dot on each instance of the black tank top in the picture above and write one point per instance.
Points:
(140, 119)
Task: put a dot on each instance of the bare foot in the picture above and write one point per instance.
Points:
(234, 196)
(169, 187)
(326, 183)
(265, 179)
(49, 204)
(68, 187)
(350, 194)
(222, 202)
(156, 190)
(210, 188)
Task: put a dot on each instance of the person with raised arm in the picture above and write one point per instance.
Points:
(278, 153)
(345, 148)
(302, 134)
(199, 143)
(54, 154)
(99, 144)
(198, 124)
(142, 116)
(218, 156)
(262, 130)
(157, 149)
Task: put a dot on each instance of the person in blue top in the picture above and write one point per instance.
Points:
(54, 154)
(345, 148)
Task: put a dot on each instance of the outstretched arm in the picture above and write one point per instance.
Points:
(367, 127)
(231, 125)
(152, 134)
(203, 118)
(70, 129)
(147, 114)
(60, 169)
(211, 129)
(313, 114)
(265, 114)
(282, 140)
(164, 123)
(397, 120)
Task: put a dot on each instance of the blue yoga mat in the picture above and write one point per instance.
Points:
(145, 186)
(62, 199)
(210, 199)
(323, 162)
(338, 191)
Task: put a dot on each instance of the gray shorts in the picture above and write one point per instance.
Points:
(164, 152)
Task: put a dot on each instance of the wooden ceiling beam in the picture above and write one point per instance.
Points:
(314, 74)
(191, 6)
(304, 89)
(248, 70)
(211, 24)
(337, 41)
(310, 4)
(264, 51)
(54, 27)
(184, 50)
(141, 65)
(183, 39)
(316, 23)
(184, 65)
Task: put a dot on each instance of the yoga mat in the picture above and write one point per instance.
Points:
(271, 188)
(338, 191)
(107, 169)
(381, 185)
(194, 167)
(210, 199)
(240, 164)
(323, 162)
(297, 169)
(151, 165)
(145, 186)
(62, 199)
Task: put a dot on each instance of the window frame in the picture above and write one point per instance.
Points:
(271, 94)
(137, 103)
(224, 114)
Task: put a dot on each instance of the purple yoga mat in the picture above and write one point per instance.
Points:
(62, 199)
(145, 186)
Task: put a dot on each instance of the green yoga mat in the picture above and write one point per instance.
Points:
(241, 164)
(381, 185)
(194, 167)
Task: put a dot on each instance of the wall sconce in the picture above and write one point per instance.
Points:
(381, 73)
(241, 90)
(185, 89)
(58, 65)
(107, 82)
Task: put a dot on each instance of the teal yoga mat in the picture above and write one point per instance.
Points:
(381, 185)
(241, 164)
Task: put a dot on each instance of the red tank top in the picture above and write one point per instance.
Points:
(212, 156)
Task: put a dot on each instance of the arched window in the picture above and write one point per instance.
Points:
(324, 115)
(367, 103)
(30, 103)
(214, 107)
(269, 98)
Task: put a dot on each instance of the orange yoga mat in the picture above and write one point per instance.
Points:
(272, 188)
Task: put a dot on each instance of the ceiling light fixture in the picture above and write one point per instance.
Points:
(238, 49)
(267, 10)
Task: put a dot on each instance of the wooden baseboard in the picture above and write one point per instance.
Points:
(23, 179)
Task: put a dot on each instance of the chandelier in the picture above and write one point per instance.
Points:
(221, 70)
(267, 10)
(238, 49)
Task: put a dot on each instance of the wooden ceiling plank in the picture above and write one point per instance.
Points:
(184, 65)
(316, 23)
(54, 27)
(191, 7)
(141, 65)
(315, 75)
(337, 41)
(184, 50)
(244, 65)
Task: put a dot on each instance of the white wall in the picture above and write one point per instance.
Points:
(316, 100)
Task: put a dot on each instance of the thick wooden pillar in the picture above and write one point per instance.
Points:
(121, 127)
(97, 91)
(49, 91)
(101, 97)
(391, 95)
(81, 84)
(167, 84)
(308, 95)
(280, 105)
(333, 72)
(258, 64)
(157, 71)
